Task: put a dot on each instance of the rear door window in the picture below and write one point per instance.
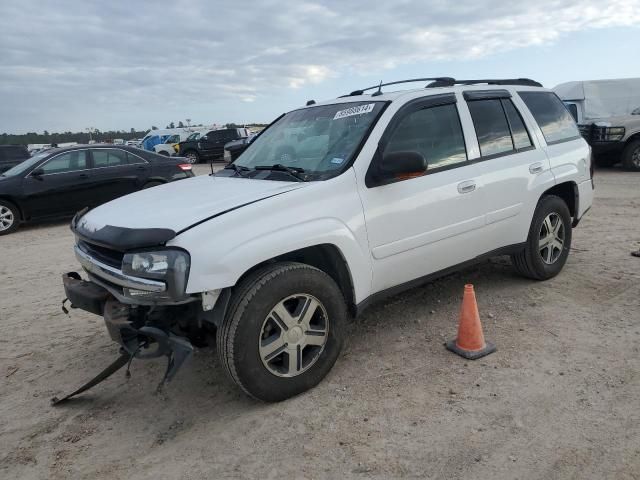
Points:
(492, 128)
(499, 127)
(109, 157)
(519, 132)
(554, 119)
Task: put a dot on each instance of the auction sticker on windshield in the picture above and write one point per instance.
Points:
(359, 110)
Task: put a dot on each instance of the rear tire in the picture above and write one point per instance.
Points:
(278, 309)
(549, 241)
(192, 157)
(9, 217)
(631, 156)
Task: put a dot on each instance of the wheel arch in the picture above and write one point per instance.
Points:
(326, 257)
(16, 204)
(567, 191)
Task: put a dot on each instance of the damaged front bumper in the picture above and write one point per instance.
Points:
(142, 332)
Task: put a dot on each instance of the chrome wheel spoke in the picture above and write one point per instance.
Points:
(551, 238)
(273, 348)
(293, 335)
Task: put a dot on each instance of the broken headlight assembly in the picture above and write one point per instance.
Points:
(170, 266)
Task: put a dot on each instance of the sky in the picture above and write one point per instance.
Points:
(72, 64)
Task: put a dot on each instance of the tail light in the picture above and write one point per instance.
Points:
(185, 167)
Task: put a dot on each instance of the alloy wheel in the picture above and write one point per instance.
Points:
(293, 335)
(635, 158)
(6, 218)
(191, 158)
(551, 238)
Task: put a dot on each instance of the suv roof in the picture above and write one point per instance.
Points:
(433, 86)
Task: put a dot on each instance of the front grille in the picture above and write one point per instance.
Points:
(585, 131)
(102, 254)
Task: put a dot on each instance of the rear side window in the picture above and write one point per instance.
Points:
(434, 132)
(492, 128)
(519, 132)
(554, 119)
(109, 157)
(499, 127)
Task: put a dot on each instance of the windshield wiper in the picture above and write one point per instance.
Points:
(278, 167)
(237, 168)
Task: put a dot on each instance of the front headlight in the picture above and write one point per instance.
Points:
(170, 266)
(605, 133)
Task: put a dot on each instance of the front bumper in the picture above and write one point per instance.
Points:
(139, 334)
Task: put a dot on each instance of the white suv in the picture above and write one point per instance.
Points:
(334, 205)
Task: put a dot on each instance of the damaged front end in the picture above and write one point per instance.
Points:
(139, 289)
(142, 332)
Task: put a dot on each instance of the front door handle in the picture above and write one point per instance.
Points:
(536, 168)
(83, 175)
(466, 187)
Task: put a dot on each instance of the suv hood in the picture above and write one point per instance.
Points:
(180, 204)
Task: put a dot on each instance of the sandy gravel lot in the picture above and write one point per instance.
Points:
(559, 399)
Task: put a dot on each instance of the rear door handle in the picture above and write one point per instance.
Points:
(83, 175)
(536, 168)
(467, 187)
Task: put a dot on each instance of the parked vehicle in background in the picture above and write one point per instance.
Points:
(158, 136)
(118, 141)
(608, 114)
(236, 147)
(61, 181)
(12, 155)
(378, 193)
(211, 145)
(170, 148)
(136, 142)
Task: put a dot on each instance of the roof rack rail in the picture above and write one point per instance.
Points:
(379, 87)
(490, 81)
(448, 82)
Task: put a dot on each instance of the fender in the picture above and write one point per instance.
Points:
(223, 248)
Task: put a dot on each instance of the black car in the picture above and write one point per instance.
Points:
(12, 155)
(60, 181)
(211, 145)
(236, 147)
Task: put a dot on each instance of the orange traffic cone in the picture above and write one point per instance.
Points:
(470, 343)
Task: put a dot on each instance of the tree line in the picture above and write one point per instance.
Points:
(84, 137)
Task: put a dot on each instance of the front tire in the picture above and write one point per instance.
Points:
(283, 331)
(549, 240)
(9, 217)
(631, 156)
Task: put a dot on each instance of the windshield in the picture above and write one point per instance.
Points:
(317, 141)
(26, 165)
(194, 136)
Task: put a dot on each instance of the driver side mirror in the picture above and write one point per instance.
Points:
(37, 173)
(402, 165)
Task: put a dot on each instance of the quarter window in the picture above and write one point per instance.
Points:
(67, 162)
(109, 157)
(434, 132)
(554, 119)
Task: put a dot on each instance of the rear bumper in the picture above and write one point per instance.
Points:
(585, 199)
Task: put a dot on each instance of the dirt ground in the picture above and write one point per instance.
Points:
(559, 399)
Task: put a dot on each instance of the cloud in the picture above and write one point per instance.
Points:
(108, 60)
